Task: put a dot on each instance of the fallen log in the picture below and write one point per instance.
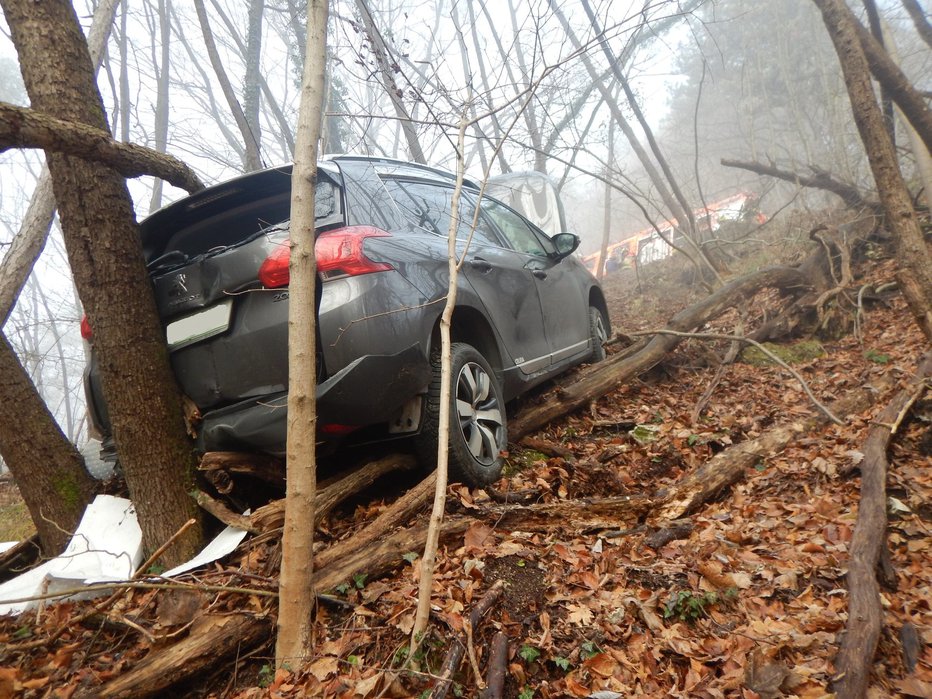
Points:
(865, 614)
(213, 638)
(495, 674)
(272, 516)
(605, 376)
(20, 558)
(270, 469)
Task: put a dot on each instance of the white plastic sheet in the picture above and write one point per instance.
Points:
(107, 547)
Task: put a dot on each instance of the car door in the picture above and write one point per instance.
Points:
(495, 273)
(563, 305)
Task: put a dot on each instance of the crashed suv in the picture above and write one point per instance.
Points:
(526, 310)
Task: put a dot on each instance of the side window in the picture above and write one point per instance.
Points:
(428, 206)
(516, 230)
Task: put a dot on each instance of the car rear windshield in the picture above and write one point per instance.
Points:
(232, 217)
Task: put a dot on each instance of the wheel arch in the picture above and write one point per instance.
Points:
(597, 300)
(470, 325)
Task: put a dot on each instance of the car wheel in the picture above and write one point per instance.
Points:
(597, 334)
(478, 428)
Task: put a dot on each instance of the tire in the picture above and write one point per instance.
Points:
(478, 426)
(597, 334)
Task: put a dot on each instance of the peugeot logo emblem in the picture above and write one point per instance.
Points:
(179, 286)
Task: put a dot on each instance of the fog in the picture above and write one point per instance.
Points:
(541, 81)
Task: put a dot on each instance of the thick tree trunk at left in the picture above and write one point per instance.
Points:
(106, 259)
(47, 468)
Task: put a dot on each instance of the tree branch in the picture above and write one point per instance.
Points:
(818, 180)
(895, 83)
(21, 127)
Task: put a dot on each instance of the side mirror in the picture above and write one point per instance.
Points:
(565, 243)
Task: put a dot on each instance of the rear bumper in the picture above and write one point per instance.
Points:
(370, 390)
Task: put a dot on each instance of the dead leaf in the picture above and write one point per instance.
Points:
(766, 678)
(476, 536)
(322, 668)
(8, 683)
(176, 607)
(579, 615)
(914, 687)
(366, 686)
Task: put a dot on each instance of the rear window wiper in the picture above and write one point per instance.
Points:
(174, 258)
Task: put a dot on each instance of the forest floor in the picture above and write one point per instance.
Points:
(750, 601)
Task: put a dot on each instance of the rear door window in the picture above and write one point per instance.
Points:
(429, 206)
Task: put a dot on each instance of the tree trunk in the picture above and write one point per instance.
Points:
(161, 100)
(106, 259)
(915, 261)
(251, 158)
(920, 19)
(47, 468)
(253, 56)
(873, 20)
(296, 591)
(894, 82)
(607, 213)
(428, 560)
(384, 61)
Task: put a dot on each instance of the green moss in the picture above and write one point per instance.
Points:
(792, 353)
(68, 489)
(522, 459)
(15, 522)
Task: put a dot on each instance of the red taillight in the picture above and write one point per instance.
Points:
(337, 429)
(86, 331)
(274, 271)
(339, 253)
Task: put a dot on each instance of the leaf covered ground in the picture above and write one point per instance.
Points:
(745, 598)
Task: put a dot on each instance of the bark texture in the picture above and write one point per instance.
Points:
(915, 260)
(47, 468)
(296, 585)
(21, 127)
(106, 258)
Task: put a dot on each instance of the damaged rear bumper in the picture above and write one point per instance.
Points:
(371, 390)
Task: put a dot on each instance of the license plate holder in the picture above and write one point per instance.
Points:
(199, 326)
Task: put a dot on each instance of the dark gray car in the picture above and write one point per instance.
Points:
(526, 309)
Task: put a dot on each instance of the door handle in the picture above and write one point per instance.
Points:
(540, 274)
(477, 263)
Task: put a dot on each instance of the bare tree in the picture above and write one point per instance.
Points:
(386, 66)
(161, 101)
(251, 159)
(296, 592)
(915, 262)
